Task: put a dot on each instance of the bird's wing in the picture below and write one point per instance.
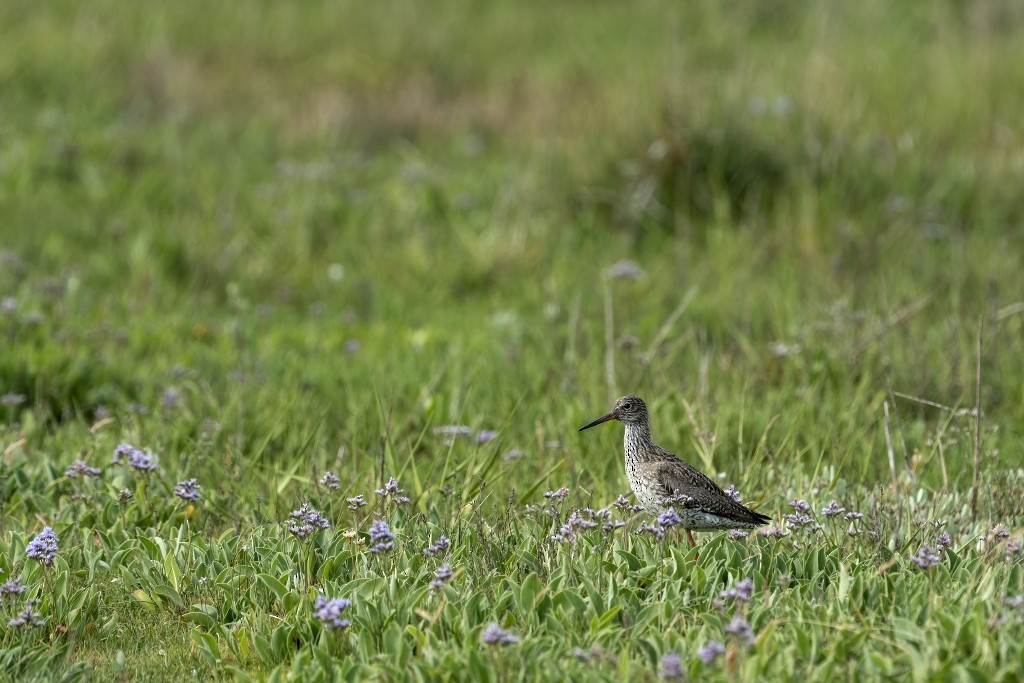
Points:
(685, 487)
(678, 480)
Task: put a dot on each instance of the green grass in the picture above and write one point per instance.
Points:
(271, 241)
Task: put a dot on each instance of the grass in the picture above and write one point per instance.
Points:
(264, 244)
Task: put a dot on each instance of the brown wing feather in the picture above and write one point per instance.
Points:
(678, 478)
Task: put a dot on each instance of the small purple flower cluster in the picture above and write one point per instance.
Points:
(802, 516)
(439, 546)
(741, 592)
(622, 504)
(306, 521)
(669, 518)
(453, 432)
(737, 534)
(832, 509)
(575, 523)
(680, 499)
(741, 628)
(43, 548)
(774, 532)
(188, 490)
(496, 635)
(671, 667)
(329, 611)
(392, 490)
(80, 468)
(486, 436)
(926, 557)
(135, 458)
(356, 503)
(733, 493)
(381, 537)
(711, 651)
(558, 495)
(12, 587)
(943, 540)
(442, 576)
(27, 617)
(331, 480)
(12, 399)
(666, 519)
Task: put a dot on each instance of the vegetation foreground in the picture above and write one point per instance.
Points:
(301, 308)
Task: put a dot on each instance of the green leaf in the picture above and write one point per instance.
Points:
(275, 586)
(202, 619)
(172, 571)
(207, 646)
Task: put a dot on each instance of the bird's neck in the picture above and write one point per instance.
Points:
(638, 442)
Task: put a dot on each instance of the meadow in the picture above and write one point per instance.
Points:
(302, 304)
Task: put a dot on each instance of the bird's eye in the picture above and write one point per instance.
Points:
(627, 406)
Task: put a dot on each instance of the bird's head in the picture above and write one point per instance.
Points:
(630, 410)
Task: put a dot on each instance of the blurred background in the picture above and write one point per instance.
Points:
(322, 229)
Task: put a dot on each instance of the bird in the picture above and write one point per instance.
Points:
(660, 480)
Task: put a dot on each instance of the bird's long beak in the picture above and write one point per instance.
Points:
(605, 418)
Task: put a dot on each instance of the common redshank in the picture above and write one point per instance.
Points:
(660, 480)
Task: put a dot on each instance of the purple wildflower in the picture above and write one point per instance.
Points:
(853, 515)
(43, 548)
(122, 451)
(135, 458)
(671, 667)
(775, 532)
(391, 489)
(832, 509)
(381, 537)
(513, 454)
(496, 635)
(741, 592)
(355, 503)
(442, 576)
(800, 506)
(187, 490)
(486, 435)
(711, 651)
(733, 493)
(680, 499)
(740, 628)
(12, 587)
(439, 546)
(737, 534)
(622, 504)
(12, 399)
(654, 529)
(1015, 602)
(329, 611)
(669, 518)
(453, 432)
(331, 480)
(558, 494)
(998, 532)
(80, 468)
(926, 557)
(171, 398)
(28, 616)
(943, 540)
(624, 270)
(306, 521)
(802, 517)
